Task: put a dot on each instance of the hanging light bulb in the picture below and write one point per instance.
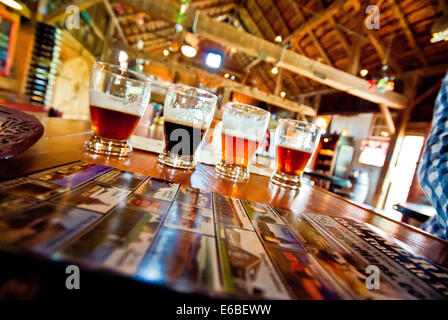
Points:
(13, 4)
(166, 52)
(188, 51)
(363, 72)
(282, 94)
(274, 70)
(226, 76)
(278, 39)
(232, 50)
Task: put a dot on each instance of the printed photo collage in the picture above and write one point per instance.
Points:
(191, 240)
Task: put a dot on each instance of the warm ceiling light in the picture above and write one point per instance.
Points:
(13, 4)
(282, 94)
(188, 51)
(274, 70)
(233, 50)
(213, 60)
(227, 76)
(140, 44)
(232, 78)
(166, 52)
(123, 58)
(278, 39)
(363, 72)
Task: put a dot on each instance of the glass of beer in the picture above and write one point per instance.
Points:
(188, 113)
(118, 98)
(243, 129)
(295, 142)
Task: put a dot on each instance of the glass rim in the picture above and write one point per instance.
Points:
(203, 94)
(242, 107)
(300, 122)
(140, 77)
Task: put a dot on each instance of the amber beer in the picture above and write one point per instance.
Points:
(237, 151)
(291, 161)
(112, 120)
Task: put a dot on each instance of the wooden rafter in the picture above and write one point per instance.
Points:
(249, 23)
(382, 51)
(252, 45)
(407, 30)
(60, 14)
(318, 18)
(310, 33)
(115, 21)
(238, 87)
(272, 33)
(153, 34)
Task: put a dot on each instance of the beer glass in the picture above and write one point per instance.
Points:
(118, 98)
(243, 129)
(295, 142)
(188, 113)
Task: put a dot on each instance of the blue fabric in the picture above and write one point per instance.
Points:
(433, 168)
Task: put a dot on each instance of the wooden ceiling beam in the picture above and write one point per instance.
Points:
(61, 14)
(115, 21)
(310, 33)
(249, 22)
(409, 35)
(222, 8)
(238, 87)
(318, 18)
(157, 46)
(317, 92)
(273, 33)
(381, 50)
(153, 34)
(252, 45)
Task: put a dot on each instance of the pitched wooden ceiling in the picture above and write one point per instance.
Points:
(332, 32)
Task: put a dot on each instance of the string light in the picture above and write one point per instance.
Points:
(278, 39)
(226, 76)
(166, 52)
(282, 94)
(233, 50)
(363, 72)
(274, 70)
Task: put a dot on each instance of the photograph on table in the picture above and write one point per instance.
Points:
(189, 218)
(10, 203)
(305, 278)
(261, 212)
(276, 234)
(44, 228)
(94, 196)
(118, 242)
(29, 188)
(245, 266)
(404, 275)
(122, 179)
(158, 189)
(72, 175)
(194, 197)
(230, 212)
(183, 259)
(148, 204)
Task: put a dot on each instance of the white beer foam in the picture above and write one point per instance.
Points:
(106, 101)
(188, 117)
(243, 127)
(238, 133)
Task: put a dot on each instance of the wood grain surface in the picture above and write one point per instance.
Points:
(63, 143)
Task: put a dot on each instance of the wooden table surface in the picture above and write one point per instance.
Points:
(63, 142)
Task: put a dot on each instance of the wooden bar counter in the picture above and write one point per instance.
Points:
(63, 143)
